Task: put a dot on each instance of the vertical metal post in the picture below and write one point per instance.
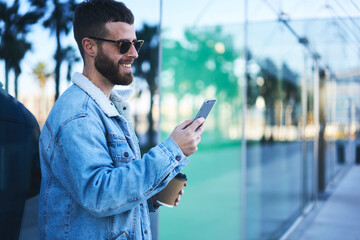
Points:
(154, 217)
(316, 124)
(332, 121)
(303, 136)
(160, 66)
(243, 145)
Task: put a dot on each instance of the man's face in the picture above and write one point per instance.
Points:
(112, 65)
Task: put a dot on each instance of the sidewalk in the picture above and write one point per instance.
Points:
(338, 216)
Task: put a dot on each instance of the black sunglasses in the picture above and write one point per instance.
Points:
(123, 45)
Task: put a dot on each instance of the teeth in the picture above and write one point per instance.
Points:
(126, 65)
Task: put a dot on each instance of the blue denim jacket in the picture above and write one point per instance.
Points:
(95, 185)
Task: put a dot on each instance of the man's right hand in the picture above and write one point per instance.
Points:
(186, 137)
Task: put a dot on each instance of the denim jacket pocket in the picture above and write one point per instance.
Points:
(119, 150)
(121, 236)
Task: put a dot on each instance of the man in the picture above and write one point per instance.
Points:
(95, 185)
(19, 163)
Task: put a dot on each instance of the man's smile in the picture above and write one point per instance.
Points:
(126, 66)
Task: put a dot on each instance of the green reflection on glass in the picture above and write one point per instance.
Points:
(202, 65)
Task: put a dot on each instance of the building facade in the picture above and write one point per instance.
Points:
(285, 122)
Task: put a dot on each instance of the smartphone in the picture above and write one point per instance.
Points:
(205, 108)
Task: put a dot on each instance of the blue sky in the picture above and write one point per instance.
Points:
(44, 45)
(207, 12)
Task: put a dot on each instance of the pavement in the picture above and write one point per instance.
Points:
(337, 213)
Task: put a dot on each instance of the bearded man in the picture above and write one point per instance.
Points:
(95, 184)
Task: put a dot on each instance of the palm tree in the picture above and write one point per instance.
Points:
(13, 29)
(17, 56)
(42, 75)
(71, 57)
(149, 56)
(60, 23)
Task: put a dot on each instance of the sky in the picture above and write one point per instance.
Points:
(44, 46)
(203, 13)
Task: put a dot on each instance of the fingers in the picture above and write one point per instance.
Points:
(186, 137)
(200, 129)
(179, 197)
(177, 201)
(198, 140)
(197, 123)
(185, 124)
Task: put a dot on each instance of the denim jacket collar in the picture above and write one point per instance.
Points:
(100, 98)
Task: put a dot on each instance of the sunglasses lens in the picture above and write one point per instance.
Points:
(124, 47)
(138, 45)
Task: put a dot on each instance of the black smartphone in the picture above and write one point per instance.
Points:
(205, 108)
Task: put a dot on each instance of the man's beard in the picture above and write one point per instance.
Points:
(110, 70)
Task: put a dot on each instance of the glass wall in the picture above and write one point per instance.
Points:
(288, 114)
(308, 132)
(275, 130)
(202, 57)
(334, 40)
(145, 100)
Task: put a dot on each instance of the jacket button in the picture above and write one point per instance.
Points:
(178, 158)
(124, 108)
(126, 154)
(146, 232)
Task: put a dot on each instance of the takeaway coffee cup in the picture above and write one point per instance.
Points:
(169, 194)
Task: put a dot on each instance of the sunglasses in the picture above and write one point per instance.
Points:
(123, 45)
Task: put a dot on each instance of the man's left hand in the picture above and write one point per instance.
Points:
(179, 197)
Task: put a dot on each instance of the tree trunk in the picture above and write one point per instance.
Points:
(58, 59)
(151, 134)
(7, 70)
(17, 74)
(16, 83)
(58, 54)
(57, 76)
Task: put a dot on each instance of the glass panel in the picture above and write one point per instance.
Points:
(145, 99)
(309, 132)
(274, 130)
(335, 40)
(202, 58)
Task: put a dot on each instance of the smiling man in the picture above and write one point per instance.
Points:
(95, 184)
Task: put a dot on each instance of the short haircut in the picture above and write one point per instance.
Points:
(91, 16)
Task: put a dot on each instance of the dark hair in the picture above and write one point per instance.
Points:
(91, 16)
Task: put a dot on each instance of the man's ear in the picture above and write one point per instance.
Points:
(89, 46)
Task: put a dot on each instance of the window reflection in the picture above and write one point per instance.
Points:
(146, 96)
(275, 130)
(204, 64)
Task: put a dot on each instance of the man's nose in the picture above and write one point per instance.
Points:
(132, 52)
